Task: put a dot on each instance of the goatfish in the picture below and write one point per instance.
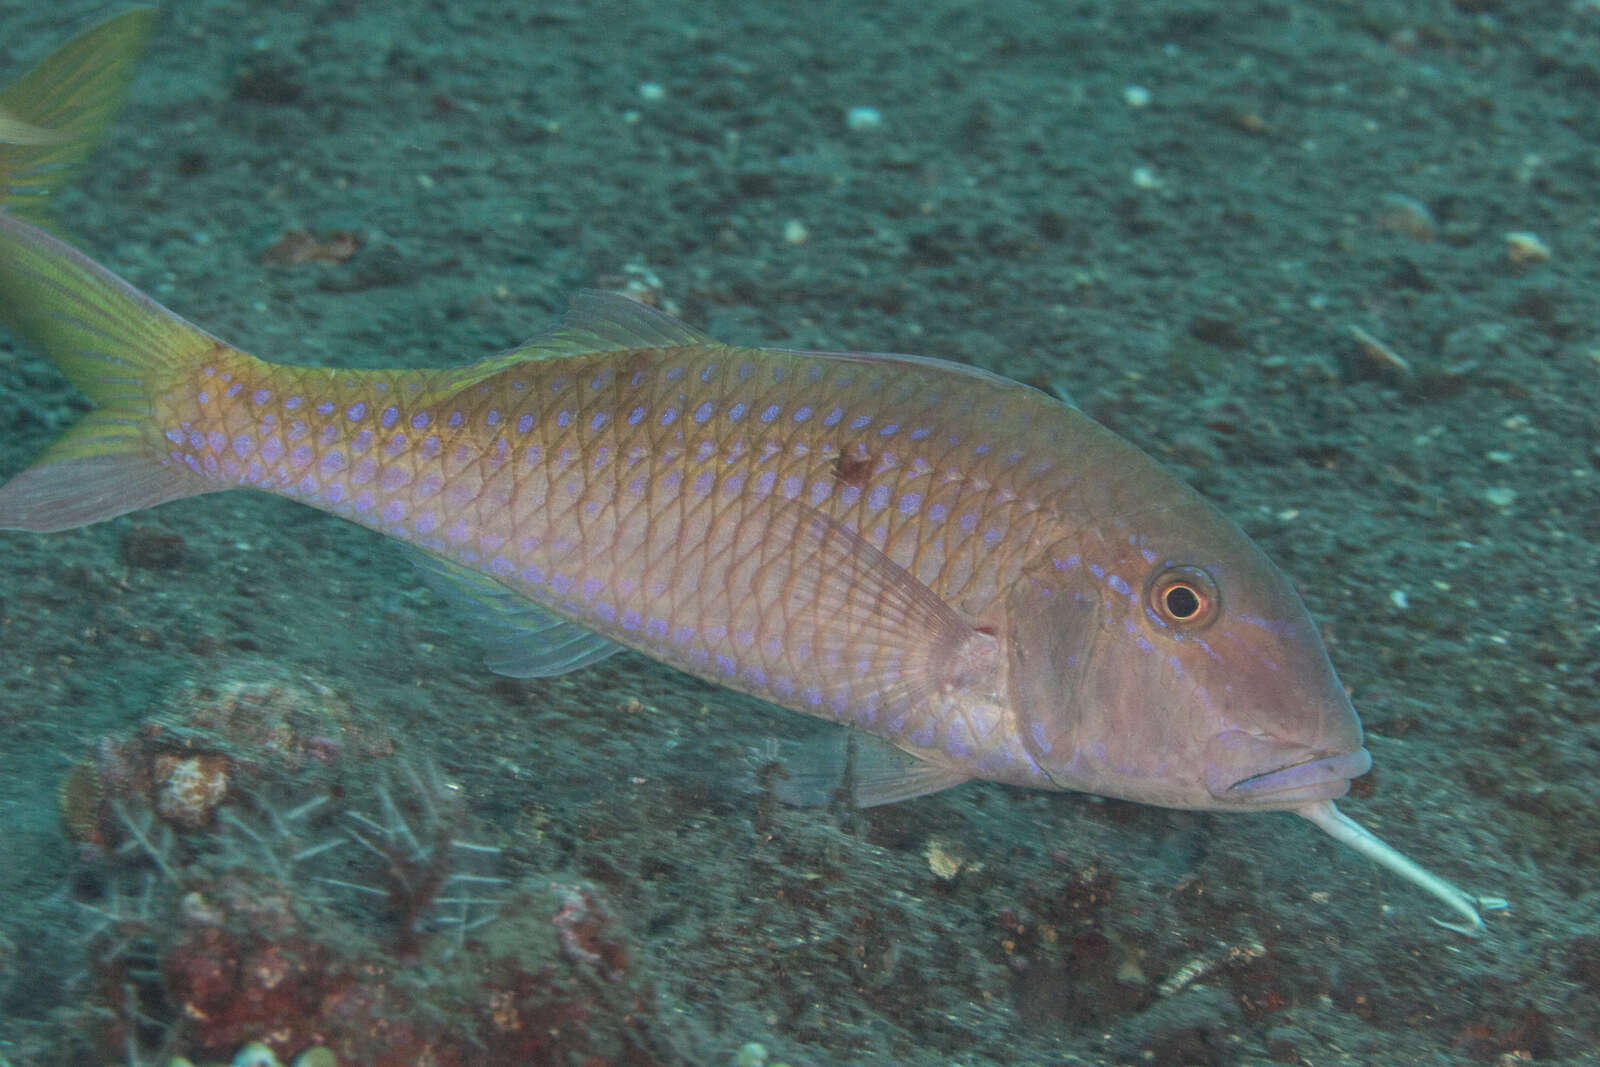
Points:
(975, 577)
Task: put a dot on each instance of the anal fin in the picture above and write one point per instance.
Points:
(521, 639)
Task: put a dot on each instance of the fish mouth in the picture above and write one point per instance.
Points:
(1264, 772)
(1319, 776)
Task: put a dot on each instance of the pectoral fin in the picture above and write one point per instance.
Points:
(1052, 621)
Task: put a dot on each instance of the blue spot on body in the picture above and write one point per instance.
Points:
(293, 402)
(770, 413)
(909, 502)
(419, 421)
(491, 419)
(832, 418)
(669, 416)
(1117, 584)
(878, 498)
(703, 412)
(736, 412)
(1097, 570)
(325, 408)
(893, 427)
(394, 511)
(356, 412)
(390, 415)
(635, 415)
(598, 421)
(802, 413)
(860, 422)
(261, 396)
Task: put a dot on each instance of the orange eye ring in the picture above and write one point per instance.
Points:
(1184, 598)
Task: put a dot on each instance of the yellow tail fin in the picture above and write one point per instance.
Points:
(52, 117)
(118, 347)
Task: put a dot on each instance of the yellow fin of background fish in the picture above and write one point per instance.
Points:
(52, 117)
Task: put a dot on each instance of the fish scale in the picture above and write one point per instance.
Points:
(980, 580)
(631, 491)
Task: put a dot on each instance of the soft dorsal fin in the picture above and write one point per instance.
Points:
(598, 321)
(520, 638)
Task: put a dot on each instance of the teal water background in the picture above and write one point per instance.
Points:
(1173, 211)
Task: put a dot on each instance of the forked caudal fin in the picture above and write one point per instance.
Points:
(120, 349)
(1344, 829)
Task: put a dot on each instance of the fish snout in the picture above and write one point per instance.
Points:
(1264, 773)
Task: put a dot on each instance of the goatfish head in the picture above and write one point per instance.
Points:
(1160, 657)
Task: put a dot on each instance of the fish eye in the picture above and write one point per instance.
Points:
(1184, 597)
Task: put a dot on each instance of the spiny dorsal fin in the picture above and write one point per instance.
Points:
(597, 321)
